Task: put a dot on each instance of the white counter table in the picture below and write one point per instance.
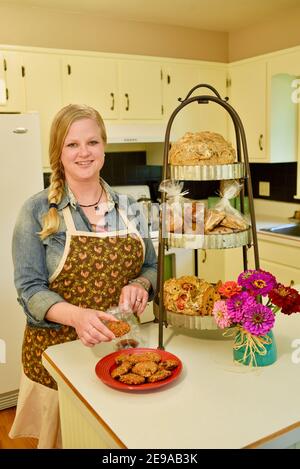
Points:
(213, 404)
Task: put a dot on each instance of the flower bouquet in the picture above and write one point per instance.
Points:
(248, 308)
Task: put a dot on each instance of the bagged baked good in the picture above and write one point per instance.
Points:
(201, 148)
(224, 218)
(190, 295)
(126, 328)
(181, 214)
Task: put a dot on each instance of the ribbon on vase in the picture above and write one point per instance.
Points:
(252, 344)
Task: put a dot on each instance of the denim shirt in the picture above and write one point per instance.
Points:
(35, 260)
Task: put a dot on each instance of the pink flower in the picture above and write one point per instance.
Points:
(221, 315)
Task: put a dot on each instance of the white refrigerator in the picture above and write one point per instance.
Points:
(21, 177)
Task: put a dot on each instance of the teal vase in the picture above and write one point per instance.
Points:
(258, 359)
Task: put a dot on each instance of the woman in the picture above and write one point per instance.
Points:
(76, 254)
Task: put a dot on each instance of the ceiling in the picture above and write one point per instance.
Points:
(214, 15)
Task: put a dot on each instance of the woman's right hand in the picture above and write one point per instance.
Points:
(90, 328)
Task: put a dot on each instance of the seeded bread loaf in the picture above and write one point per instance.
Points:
(201, 148)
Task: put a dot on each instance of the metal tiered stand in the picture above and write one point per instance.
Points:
(238, 170)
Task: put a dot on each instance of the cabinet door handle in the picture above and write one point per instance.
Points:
(204, 256)
(168, 79)
(260, 142)
(20, 130)
(127, 102)
(112, 107)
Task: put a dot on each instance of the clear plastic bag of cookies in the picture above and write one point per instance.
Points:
(126, 329)
(181, 214)
(224, 218)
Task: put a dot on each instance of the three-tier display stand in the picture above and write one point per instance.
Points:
(239, 170)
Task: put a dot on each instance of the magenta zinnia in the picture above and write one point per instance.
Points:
(237, 304)
(258, 319)
(259, 283)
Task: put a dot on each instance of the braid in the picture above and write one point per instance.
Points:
(56, 189)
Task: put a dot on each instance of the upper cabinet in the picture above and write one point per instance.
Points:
(262, 93)
(178, 79)
(92, 81)
(12, 87)
(248, 95)
(2, 81)
(43, 91)
(140, 86)
(118, 89)
(126, 89)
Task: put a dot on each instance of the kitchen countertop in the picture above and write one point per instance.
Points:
(270, 221)
(215, 403)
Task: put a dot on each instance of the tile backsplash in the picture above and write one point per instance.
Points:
(130, 168)
(281, 176)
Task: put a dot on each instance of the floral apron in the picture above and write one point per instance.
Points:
(91, 274)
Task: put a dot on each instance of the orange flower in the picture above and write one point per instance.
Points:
(229, 289)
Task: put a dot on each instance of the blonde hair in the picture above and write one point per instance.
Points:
(59, 129)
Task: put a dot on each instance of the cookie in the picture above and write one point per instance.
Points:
(118, 328)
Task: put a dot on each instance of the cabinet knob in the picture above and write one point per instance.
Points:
(127, 102)
(260, 142)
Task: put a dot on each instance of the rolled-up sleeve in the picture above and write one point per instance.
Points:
(30, 270)
(149, 267)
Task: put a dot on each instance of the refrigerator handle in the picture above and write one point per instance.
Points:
(20, 130)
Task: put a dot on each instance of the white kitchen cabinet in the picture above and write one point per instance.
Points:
(281, 256)
(140, 87)
(286, 62)
(118, 89)
(2, 81)
(43, 92)
(278, 255)
(13, 75)
(261, 92)
(248, 95)
(224, 265)
(178, 79)
(91, 81)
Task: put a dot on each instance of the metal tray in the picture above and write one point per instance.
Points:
(211, 241)
(186, 321)
(191, 322)
(208, 172)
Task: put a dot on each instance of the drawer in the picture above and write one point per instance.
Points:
(279, 253)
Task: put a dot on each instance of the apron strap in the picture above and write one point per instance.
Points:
(131, 228)
(69, 220)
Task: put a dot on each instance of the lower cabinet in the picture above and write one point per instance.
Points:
(280, 256)
(225, 264)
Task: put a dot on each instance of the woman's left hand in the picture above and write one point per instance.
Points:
(134, 297)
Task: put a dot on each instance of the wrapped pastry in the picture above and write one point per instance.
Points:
(224, 218)
(182, 215)
(212, 219)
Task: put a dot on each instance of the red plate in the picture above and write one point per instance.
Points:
(105, 366)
